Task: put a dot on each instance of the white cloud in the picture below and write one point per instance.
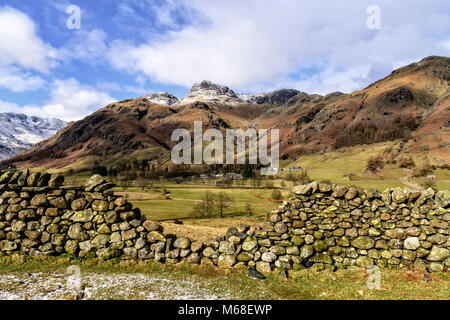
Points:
(16, 80)
(70, 100)
(330, 80)
(8, 107)
(85, 46)
(19, 43)
(22, 52)
(256, 43)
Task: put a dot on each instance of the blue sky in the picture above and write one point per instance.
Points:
(127, 48)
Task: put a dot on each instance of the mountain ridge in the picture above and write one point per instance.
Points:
(410, 104)
(210, 92)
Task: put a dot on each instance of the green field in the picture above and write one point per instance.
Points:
(347, 166)
(182, 200)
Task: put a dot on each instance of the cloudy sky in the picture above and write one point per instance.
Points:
(127, 48)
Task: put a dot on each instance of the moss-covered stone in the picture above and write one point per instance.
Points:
(244, 257)
(363, 243)
(438, 254)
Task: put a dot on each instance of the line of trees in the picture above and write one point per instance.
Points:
(146, 169)
(212, 205)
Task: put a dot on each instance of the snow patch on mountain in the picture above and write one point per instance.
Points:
(162, 98)
(209, 92)
(19, 132)
(278, 97)
(206, 91)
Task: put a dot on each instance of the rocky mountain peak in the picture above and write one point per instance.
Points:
(207, 91)
(212, 88)
(163, 98)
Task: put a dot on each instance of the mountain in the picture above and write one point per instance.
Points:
(411, 106)
(206, 91)
(162, 98)
(278, 97)
(18, 132)
(209, 92)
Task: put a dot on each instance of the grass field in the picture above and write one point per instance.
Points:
(181, 201)
(336, 165)
(347, 166)
(220, 283)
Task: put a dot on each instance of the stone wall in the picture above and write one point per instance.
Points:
(322, 226)
(333, 226)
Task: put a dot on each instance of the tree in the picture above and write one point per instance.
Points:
(406, 162)
(135, 165)
(247, 172)
(304, 178)
(228, 182)
(99, 169)
(269, 184)
(423, 171)
(276, 196)
(429, 184)
(144, 165)
(249, 210)
(256, 183)
(206, 207)
(374, 163)
(141, 184)
(222, 203)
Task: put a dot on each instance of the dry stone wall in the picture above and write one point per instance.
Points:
(322, 226)
(331, 226)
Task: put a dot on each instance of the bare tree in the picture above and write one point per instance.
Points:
(249, 210)
(256, 183)
(141, 183)
(205, 208)
(222, 203)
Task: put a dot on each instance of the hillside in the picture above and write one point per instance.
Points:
(411, 106)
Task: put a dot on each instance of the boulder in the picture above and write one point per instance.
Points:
(256, 273)
(182, 243)
(152, 226)
(226, 260)
(94, 181)
(438, 254)
(412, 243)
(363, 243)
(56, 181)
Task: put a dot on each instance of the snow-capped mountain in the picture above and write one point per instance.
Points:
(163, 98)
(209, 92)
(278, 97)
(206, 91)
(18, 132)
